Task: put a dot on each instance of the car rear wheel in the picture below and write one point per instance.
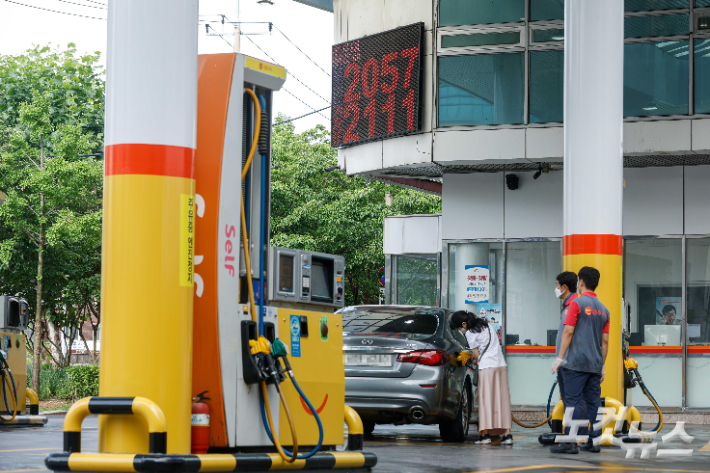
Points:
(456, 430)
(368, 427)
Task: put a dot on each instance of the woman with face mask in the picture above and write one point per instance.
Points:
(494, 415)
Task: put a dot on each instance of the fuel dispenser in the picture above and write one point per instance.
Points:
(266, 344)
(247, 293)
(13, 366)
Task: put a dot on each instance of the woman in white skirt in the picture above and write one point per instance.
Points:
(494, 416)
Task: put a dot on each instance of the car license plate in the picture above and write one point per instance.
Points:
(366, 359)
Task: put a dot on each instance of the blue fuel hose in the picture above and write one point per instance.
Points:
(313, 411)
(4, 390)
(263, 148)
(549, 401)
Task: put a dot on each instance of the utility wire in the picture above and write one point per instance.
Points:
(303, 116)
(283, 88)
(98, 3)
(55, 11)
(309, 58)
(82, 5)
(289, 73)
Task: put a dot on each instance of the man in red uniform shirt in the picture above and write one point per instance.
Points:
(581, 357)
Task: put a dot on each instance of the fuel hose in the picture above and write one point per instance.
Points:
(250, 285)
(547, 420)
(8, 386)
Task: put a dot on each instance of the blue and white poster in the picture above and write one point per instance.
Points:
(477, 284)
(296, 335)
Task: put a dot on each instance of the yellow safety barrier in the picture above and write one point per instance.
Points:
(127, 462)
(145, 408)
(356, 431)
(32, 396)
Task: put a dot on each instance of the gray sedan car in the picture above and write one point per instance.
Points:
(402, 367)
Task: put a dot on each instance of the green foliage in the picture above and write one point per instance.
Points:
(313, 209)
(53, 382)
(84, 380)
(71, 84)
(71, 383)
(51, 112)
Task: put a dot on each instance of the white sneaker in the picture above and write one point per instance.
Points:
(485, 440)
(507, 440)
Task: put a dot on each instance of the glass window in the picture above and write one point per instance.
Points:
(656, 79)
(532, 311)
(660, 25)
(698, 310)
(480, 39)
(542, 36)
(547, 10)
(702, 75)
(546, 86)
(479, 12)
(421, 323)
(698, 291)
(702, 3)
(653, 283)
(653, 278)
(415, 280)
(647, 5)
(468, 263)
(481, 90)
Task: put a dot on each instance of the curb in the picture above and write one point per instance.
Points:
(53, 413)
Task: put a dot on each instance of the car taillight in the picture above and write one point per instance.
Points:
(425, 357)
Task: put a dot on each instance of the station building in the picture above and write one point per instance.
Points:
(491, 143)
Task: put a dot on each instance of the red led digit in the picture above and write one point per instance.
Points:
(350, 94)
(371, 113)
(390, 70)
(370, 77)
(388, 108)
(350, 134)
(409, 104)
(412, 54)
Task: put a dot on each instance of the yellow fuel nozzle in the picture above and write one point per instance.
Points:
(260, 347)
(464, 358)
(630, 364)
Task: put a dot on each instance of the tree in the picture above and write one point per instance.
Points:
(51, 104)
(330, 212)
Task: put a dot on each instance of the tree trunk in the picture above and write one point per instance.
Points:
(37, 355)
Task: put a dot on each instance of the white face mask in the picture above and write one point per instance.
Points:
(558, 292)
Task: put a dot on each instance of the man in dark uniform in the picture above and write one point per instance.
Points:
(583, 349)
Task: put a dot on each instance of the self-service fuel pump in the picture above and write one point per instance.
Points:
(249, 295)
(13, 366)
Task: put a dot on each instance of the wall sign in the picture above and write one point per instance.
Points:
(477, 284)
(376, 86)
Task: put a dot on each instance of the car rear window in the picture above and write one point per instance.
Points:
(421, 323)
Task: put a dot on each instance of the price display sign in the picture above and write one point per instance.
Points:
(376, 86)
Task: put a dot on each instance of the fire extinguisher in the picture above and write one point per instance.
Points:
(200, 424)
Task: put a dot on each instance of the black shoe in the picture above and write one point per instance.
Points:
(507, 440)
(590, 447)
(565, 448)
(484, 440)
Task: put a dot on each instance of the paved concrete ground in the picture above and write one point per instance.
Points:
(407, 449)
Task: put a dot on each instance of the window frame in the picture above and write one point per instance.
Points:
(527, 45)
(445, 254)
